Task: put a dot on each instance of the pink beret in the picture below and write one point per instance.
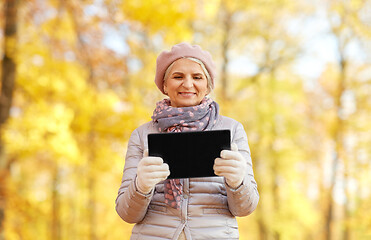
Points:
(182, 50)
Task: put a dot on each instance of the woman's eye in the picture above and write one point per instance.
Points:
(177, 77)
(197, 77)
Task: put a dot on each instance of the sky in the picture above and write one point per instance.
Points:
(319, 47)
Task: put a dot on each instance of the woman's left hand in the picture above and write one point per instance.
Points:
(232, 166)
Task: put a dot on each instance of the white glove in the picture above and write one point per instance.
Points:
(232, 166)
(150, 171)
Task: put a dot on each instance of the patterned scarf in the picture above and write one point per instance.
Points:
(170, 119)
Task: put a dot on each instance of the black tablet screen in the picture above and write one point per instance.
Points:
(189, 154)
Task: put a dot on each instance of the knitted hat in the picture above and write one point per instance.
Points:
(178, 51)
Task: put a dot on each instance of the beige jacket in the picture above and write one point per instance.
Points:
(208, 207)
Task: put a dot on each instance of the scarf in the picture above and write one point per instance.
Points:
(171, 119)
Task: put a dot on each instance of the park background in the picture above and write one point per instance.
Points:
(78, 78)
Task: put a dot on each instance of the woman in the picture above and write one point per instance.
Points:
(194, 208)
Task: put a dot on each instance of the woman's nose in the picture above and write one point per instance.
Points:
(188, 82)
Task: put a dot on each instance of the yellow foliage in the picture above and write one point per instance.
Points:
(158, 16)
(42, 128)
(60, 27)
(71, 116)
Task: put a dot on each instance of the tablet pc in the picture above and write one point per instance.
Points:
(189, 154)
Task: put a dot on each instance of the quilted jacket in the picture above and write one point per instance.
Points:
(208, 208)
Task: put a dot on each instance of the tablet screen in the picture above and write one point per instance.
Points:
(189, 154)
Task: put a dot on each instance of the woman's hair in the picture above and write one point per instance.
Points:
(209, 82)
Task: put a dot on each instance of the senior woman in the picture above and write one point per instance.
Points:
(190, 208)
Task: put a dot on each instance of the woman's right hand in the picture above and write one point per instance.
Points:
(151, 170)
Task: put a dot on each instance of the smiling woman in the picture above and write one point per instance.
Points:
(188, 208)
(186, 83)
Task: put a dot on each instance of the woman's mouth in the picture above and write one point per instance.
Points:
(187, 94)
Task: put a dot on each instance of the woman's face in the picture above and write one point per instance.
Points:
(186, 84)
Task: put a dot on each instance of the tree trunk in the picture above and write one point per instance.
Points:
(8, 64)
(4, 176)
(276, 198)
(7, 88)
(260, 172)
(56, 222)
(92, 206)
(92, 212)
(340, 149)
(330, 203)
(260, 213)
(337, 136)
(91, 137)
(275, 160)
(262, 227)
(225, 48)
(346, 211)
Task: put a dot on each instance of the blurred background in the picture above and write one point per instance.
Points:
(78, 78)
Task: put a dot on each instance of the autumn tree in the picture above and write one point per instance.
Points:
(8, 75)
(85, 72)
(344, 22)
